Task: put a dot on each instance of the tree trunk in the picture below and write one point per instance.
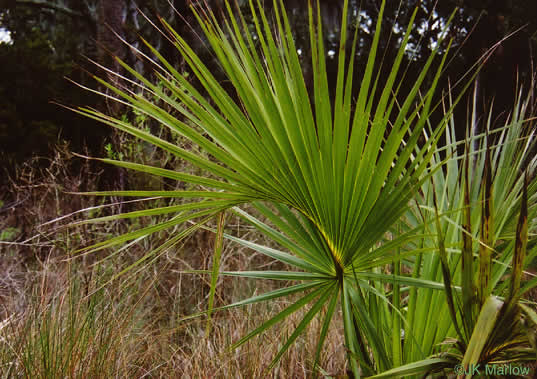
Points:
(110, 29)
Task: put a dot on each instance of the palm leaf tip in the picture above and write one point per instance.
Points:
(340, 173)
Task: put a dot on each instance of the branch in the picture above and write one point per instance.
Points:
(47, 5)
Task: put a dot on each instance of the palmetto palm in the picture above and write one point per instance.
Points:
(477, 206)
(333, 177)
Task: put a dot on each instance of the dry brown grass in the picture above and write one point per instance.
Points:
(138, 326)
(63, 317)
(131, 326)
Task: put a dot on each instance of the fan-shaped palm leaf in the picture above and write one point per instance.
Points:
(337, 174)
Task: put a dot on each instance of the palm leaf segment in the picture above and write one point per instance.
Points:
(338, 173)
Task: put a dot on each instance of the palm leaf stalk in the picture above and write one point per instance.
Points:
(333, 177)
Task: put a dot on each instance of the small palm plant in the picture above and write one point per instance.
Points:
(482, 209)
(333, 176)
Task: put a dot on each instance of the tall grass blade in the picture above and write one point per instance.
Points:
(486, 230)
(468, 286)
(446, 272)
(521, 242)
(396, 315)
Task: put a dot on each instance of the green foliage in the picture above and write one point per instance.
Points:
(333, 183)
(276, 149)
(482, 319)
(9, 234)
(66, 30)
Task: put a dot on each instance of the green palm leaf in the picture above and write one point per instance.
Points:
(332, 177)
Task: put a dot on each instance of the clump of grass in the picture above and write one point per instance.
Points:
(252, 360)
(70, 327)
(73, 326)
(68, 316)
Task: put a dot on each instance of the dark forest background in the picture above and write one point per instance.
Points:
(51, 40)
